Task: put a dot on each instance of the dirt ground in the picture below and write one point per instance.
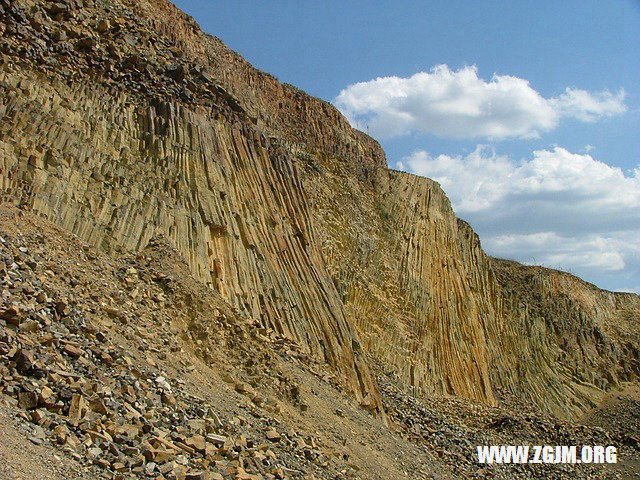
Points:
(20, 459)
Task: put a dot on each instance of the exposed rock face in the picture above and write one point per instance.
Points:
(117, 173)
(411, 278)
(124, 122)
(561, 342)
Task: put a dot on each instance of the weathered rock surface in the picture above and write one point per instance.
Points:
(117, 170)
(560, 342)
(122, 122)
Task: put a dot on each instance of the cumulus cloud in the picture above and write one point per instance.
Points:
(589, 251)
(459, 104)
(558, 208)
(588, 107)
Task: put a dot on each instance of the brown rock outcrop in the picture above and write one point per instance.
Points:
(116, 174)
(560, 342)
(411, 276)
(124, 123)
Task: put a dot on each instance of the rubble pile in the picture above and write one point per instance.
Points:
(66, 367)
(453, 428)
(109, 43)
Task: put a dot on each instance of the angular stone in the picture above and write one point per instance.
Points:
(46, 339)
(47, 397)
(149, 468)
(86, 44)
(168, 399)
(197, 476)
(243, 475)
(57, 8)
(76, 409)
(218, 440)
(24, 361)
(39, 416)
(12, 315)
(73, 351)
(61, 432)
(273, 436)
(62, 308)
(98, 406)
(167, 467)
(197, 442)
(28, 400)
(103, 26)
(29, 326)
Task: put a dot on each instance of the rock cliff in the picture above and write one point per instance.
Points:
(122, 121)
(560, 342)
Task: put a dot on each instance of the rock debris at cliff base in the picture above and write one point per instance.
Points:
(122, 365)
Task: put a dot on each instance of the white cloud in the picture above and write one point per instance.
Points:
(473, 183)
(590, 251)
(588, 107)
(459, 104)
(560, 209)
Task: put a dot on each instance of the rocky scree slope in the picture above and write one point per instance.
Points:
(127, 367)
(122, 121)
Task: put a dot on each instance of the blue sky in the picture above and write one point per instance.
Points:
(528, 114)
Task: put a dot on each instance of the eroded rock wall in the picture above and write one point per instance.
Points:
(154, 128)
(410, 275)
(560, 342)
(122, 121)
(117, 172)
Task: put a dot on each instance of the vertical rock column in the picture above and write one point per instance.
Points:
(117, 170)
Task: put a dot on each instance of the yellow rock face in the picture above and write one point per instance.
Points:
(292, 216)
(117, 172)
